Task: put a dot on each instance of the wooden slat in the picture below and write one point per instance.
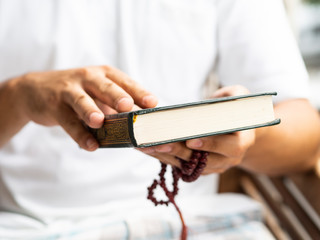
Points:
(292, 202)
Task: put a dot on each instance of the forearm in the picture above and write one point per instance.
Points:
(12, 118)
(290, 146)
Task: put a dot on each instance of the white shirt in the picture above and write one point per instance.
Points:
(169, 46)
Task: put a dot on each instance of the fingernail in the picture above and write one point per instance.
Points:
(95, 116)
(91, 143)
(164, 149)
(149, 101)
(124, 104)
(195, 143)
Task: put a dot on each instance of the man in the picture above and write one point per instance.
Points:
(167, 47)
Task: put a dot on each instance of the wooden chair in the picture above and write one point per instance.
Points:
(291, 203)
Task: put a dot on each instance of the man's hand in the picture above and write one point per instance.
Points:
(225, 151)
(71, 97)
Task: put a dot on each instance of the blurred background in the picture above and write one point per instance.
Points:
(304, 16)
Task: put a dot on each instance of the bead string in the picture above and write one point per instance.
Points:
(189, 172)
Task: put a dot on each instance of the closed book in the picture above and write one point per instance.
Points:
(160, 125)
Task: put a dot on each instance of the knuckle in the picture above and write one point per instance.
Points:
(129, 83)
(66, 90)
(213, 144)
(79, 99)
(135, 85)
(107, 85)
(83, 72)
(243, 141)
(107, 88)
(65, 83)
(239, 151)
(106, 68)
(52, 98)
(232, 162)
(30, 76)
(239, 89)
(237, 161)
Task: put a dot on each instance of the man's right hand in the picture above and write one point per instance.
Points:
(70, 97)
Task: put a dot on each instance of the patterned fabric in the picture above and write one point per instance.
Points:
(206, 217)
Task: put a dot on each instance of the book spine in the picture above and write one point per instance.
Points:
(116, 132)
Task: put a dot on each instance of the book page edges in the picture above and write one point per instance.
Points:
(199, 119)
(207, 101)
(271, 123)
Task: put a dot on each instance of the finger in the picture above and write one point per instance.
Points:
(233, 90)
(107, 110)
(165, 158)
(70, 122)
(177, 149)
(83, 105)
(147, 150)
(217, 163)
(216, 170)
(108, 92)
(141, 96)
(168, 159)
(136, 107)
(231, 145)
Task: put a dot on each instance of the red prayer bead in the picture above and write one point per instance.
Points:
(189, 172)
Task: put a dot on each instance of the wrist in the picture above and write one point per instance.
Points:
(12, 118)
(13, 94)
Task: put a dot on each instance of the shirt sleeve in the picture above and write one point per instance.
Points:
(257, 49)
